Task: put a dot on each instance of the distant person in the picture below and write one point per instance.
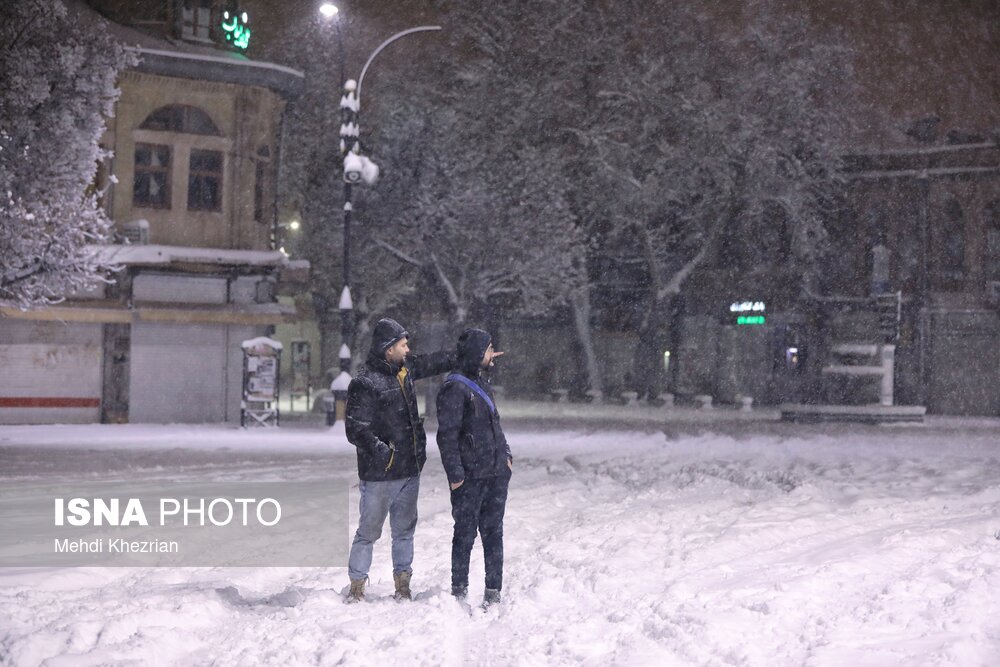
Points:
(382, 421)
(477, 462)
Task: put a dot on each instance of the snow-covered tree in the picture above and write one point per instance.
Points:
(708, 132)
(57, 87)
(653, 130)
(507, 98)
(475, 227)
(453, 223)
(675, 128)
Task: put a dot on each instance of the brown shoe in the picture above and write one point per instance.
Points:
(402, 580)
(357, 593)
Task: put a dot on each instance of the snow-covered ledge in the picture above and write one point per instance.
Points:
(161, 255)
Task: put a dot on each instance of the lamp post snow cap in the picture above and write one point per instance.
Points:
(345, 299)
(341, 382)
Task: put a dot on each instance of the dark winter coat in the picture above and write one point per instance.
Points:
(382, 420)
(472, 443)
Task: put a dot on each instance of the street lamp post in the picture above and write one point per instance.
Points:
(357, 169)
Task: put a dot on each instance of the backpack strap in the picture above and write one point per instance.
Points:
(458, 377)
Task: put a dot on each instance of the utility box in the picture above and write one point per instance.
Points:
(261, 371)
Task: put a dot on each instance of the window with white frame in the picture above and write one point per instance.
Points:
(151, 185)
(159, 152)
(205, 181)
(196, 20)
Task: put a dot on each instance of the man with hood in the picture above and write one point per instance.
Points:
(383, 422)
(477, 461)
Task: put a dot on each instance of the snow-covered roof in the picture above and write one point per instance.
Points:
(261, 340)
(158, 255)
(179, 58)
(220, 66)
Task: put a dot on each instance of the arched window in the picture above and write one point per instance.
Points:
(155, 158)
(180, 118)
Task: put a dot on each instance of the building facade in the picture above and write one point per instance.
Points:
(196, 137)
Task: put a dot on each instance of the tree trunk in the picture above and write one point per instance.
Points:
(580, 302)
(443, 287)
(653, 335)
(647, 360)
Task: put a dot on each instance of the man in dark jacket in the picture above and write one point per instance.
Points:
(477, 461)
(382, 421)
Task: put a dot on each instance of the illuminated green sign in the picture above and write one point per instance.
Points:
(748, 312)
(236, 29)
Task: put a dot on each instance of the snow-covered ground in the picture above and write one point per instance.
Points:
(767, 545)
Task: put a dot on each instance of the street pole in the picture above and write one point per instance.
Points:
(363, 170)
(350, 142)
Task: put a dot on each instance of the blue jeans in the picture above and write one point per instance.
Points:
(396, 498)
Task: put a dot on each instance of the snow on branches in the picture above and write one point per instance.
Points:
(57, 86)
(485, 218)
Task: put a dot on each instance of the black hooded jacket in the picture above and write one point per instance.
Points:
(382, 417)
(472, 443)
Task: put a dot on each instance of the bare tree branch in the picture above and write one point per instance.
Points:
(399, 254)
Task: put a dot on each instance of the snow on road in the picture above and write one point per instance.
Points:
(792, 546)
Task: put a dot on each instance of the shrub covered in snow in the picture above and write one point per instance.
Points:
(57, 86)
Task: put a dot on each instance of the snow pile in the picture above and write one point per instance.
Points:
(855, 547)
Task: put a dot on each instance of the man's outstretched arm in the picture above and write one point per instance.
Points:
(434, 363)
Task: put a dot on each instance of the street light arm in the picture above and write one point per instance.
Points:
(361, 79)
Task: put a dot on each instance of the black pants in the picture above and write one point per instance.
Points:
(478, 505)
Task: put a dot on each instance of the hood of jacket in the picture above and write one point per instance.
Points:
(472, 346)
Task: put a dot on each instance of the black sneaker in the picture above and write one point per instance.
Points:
(491, 597)
(460, 591)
